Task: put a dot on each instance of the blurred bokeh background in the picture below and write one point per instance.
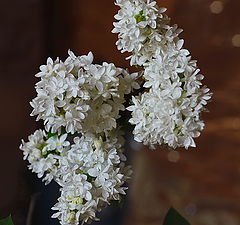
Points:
(202, 183)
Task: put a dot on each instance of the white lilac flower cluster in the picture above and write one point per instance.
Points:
(168, 112)
(80, 96)
(81, 148)
(44, 152)
(80, 103)
(97, 176)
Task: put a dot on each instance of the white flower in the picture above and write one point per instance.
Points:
(134, 18)
(75, 93)
(143, 30)
(56, 143)
(47, 70)
(75, 202)
(93, 174)
(171, 119)
(168, 113)
(80, 103)
(43, 153)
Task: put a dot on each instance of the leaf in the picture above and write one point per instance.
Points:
(174, 218)
(7, 221)
(49, 135)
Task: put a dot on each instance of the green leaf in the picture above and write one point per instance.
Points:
(49, 135)
(174, 218)
(140, 17)
(6, 221)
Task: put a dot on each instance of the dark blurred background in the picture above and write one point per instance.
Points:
(202, 183)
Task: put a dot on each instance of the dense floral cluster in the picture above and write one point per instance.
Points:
(79, 95)
(168, 112)
(44, 153)
(80, 102)
(92, 177)
(143, 30)
(81, 148)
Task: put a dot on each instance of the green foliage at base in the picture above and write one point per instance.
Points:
(6, 221)
(174, 218)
